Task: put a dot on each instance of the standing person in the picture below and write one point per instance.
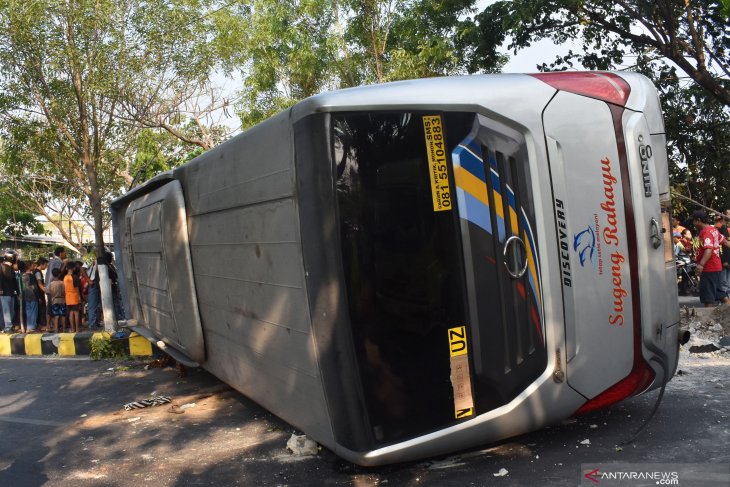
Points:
(709, 267)
(31, 296)
(116, 292)
(94, 297)
(8, 290)
(57, 300)
(84, 277)
(59, 254)
(41, 266)
(18, 302)
(72, 286)
(721, 226)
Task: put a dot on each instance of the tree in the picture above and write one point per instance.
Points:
(434, 39)
(284, 50)
(158, 151)
(290, 50)
(70, 71)
(682, 46)
(14, 221)
(405, 39)
(698, 137)
(40, 179)
(693, 34)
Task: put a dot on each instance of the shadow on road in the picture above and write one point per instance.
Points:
(222, 438)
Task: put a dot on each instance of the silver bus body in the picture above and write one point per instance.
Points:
(410, 269)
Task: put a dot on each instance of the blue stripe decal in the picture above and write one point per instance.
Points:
(530, 238)
(511, 199)
(493, 160)
(534, 293)
(470, 161)
(533, 284)
(495, 181)
(473, 146)
(470, 208)
(476, 212)
(501, 232)
(469, 156)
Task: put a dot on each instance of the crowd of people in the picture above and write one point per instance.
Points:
(63, 295)
(56, 295)
(710, 250)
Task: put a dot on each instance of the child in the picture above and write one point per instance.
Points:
(72, 286)
(57, 293)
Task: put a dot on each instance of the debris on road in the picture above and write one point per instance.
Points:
(302, 446)
(145, 403)
(181, 409)
(709, 328)
(449, 462)
(502, 472)
(710, 347)
(585, 442)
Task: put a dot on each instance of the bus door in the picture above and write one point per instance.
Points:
(159, 270)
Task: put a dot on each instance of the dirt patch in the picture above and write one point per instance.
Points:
(206, 405)
(707, 327)
(721, 315)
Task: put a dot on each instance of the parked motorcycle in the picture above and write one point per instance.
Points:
(688, 283)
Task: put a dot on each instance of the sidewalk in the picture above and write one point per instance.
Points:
(66, 344)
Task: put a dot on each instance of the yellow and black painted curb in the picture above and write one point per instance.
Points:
(67, 344)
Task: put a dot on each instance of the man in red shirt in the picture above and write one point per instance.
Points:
(709, 266)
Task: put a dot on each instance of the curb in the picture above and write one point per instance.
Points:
(66, 344)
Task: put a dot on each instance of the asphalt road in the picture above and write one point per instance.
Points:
(62, 424)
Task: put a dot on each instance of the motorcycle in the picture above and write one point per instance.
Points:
(688, 283)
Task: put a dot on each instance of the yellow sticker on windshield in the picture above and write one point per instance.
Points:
(460, 377)
(438, 172)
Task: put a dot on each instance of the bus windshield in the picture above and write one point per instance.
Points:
(403, 265)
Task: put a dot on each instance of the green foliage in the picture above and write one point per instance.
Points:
(158, 151)
(693, 34)
(698, 137)
(103, 348)
(77, 78)
(295, 49)
(13, 220)
(286, 54)
(725, 7)
(15, 223)
(31, 253)
(683, 46)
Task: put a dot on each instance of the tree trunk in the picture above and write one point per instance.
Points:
(105, 284)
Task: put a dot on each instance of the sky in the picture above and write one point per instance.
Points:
(526, 60)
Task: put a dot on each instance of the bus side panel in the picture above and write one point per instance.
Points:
(247, 261)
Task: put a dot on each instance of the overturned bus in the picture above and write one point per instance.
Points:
(413, 268)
